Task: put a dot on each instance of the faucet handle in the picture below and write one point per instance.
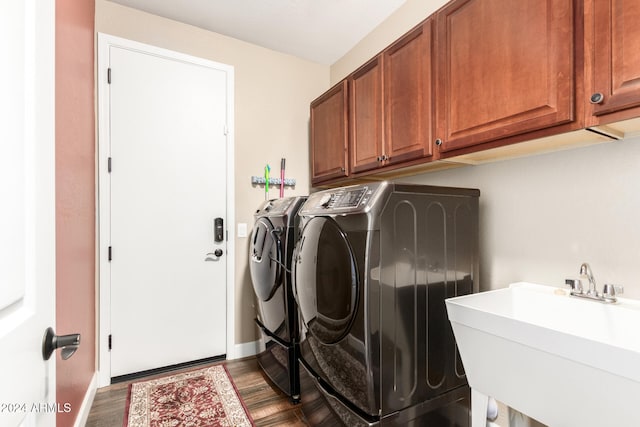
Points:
(611, 291)
(575, 284)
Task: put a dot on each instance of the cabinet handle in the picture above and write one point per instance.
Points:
(438, 142)
(596, 98)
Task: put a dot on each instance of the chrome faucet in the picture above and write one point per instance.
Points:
(585, 271)
(609, 292)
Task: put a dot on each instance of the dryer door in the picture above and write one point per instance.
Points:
(265, 258)
(326, 280)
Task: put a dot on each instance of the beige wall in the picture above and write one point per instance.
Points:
(272, 96)
(402, 20)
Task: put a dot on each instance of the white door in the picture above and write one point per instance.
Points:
(27, 216)
(168, 121)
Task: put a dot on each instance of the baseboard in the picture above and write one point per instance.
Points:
(85, 408)
(244, 350)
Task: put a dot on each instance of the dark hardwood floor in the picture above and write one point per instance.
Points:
(266, 404)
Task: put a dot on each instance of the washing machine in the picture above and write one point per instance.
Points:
(372, 268)
(270, 253)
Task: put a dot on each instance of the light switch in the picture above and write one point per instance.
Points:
(242, 229)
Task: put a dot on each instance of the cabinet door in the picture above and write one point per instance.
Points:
(408, 96)
(505, 67)
(616, 54)
(329, 137)
(365, 116)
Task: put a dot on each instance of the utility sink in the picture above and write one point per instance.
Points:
(563, 360)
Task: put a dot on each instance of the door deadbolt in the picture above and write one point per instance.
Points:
(218, 230)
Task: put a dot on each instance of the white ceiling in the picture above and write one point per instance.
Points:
(318, 30)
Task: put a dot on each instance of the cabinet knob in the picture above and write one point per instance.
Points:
(438, 142)
(379, 158)
(596, 98)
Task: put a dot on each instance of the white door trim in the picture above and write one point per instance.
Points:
(106, 41)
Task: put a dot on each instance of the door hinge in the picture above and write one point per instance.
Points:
(109, 75)
(109, 256)
(226, 130)
(110, 341)
(109, 165)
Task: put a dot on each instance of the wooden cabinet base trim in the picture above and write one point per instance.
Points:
(565, 141)
(620, 130)
(575, 139)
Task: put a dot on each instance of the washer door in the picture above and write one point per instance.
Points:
(265, 257)
(326, 280)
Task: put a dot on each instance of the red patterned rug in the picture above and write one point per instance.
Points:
(206, 397)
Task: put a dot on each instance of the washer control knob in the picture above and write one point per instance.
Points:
(325, 200)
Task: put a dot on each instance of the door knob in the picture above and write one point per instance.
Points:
(67, 343)
(217, 254)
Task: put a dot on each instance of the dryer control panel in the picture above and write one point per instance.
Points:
(274, 206)
(344, 200)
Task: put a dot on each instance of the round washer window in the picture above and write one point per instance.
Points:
(326, 280)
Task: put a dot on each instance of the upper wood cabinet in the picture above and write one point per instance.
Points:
(366, 116)
(329, 135)
(390, 98)
(408, 96)
(615, 31)
(478, 77)
(504, 68)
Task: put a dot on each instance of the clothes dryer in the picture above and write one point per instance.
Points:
(270, 253)
(372, 268)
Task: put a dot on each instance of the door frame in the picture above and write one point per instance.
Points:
(105, 42)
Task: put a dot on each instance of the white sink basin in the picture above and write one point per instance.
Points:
(562, 360)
